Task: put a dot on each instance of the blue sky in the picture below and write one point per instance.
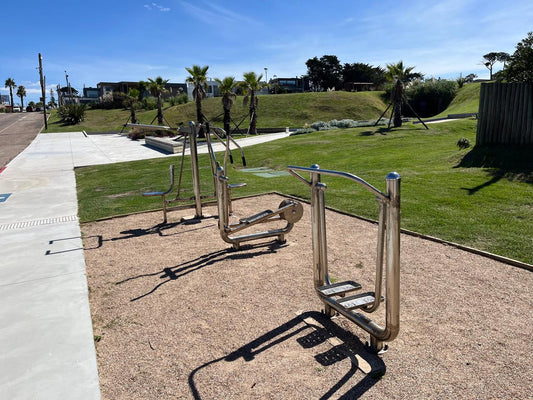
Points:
(132, 40)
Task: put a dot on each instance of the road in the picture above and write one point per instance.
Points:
(17, 131)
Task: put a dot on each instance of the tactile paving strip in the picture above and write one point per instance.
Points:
(38, 222)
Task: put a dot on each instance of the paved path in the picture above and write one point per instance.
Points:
(17, 130)
(46, 341)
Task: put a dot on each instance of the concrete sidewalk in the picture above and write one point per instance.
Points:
(46, 341)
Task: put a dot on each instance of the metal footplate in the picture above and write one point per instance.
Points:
(339, 288)
(358, 300)
(256, 217)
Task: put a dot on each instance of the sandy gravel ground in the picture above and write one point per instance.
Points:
(179, 315)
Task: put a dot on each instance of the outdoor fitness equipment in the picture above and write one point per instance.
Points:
(388, 252)
(188, 135)
(289, 210)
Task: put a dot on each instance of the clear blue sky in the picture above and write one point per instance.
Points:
(132, 40)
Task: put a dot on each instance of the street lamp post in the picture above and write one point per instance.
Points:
(266, 74)
(43, 86)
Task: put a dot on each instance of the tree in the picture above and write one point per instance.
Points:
(399, 75)
(324, 73)
(21, 92)
(359, 72)
(10, 83)
(252, 84)
(227, 89)
(492, 58)
(198, 77)
(131, 98)
(157, 87)
(520, 66)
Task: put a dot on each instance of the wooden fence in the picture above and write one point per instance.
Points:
(505, 114)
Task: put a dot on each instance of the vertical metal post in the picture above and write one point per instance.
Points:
(318, 222)
(43, 88)
(393, 254)
(195, 171)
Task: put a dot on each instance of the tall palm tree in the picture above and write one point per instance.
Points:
(399, 75)
(10, 83)
(157, 87)
(21, 92)
(252, 84)
(227, 89)
(198, 77)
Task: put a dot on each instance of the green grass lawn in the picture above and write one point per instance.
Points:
(477, 197)
(274, 111)
(466, 101)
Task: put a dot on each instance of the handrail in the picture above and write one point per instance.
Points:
(315, 169)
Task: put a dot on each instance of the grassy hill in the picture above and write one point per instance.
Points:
(465, 101)
(282, 110)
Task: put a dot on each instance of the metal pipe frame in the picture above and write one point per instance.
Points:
(291, 211)
(388, 248)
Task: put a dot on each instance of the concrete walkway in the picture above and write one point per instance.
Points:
(46, 341)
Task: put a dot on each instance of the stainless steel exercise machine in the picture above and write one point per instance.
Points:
(333, 295)
(188, 136)
(289, 210)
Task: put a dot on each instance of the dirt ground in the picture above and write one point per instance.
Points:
(178, 314)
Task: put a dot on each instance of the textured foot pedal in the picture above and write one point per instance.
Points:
(358, 300)
(339, 288)
(255, 217)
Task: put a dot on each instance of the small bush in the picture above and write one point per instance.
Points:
(344, 123)
(319, 126)
(463, 143)
(302, 131)
(149, 103)
(71, 113)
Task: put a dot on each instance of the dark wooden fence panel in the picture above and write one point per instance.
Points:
(505, 114)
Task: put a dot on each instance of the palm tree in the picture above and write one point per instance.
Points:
(198, 77)
(10, 83)
(399, 75)
(131, 98)
(252, 84)
(21, 92)
(227, 89)
(157, 87)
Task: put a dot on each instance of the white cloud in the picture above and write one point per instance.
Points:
(155, 6)
(214, 14)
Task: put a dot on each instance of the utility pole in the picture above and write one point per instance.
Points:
(43, 85)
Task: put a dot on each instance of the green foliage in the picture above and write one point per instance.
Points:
(463, 143)
(149, 103)
(325, 73)
(430, 97)
(71, 114)
(520, 68)
(359, 72)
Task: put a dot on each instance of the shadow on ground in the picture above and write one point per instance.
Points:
(316, 333)
(501, 162)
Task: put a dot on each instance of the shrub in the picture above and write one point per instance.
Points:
(463, 143)
(149, 103)
(319, 125)
(71, 113)
(179, 99)
(302, 131)
(344, 123)
(430, 97)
